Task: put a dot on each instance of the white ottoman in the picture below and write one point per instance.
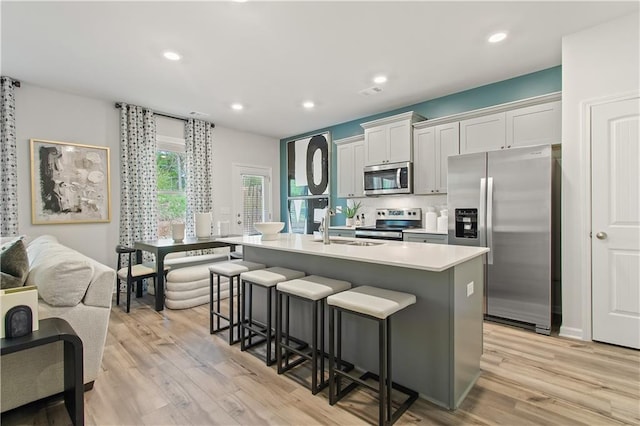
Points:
(189, 286)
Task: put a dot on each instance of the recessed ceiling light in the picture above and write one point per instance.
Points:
(380, 79)
(237, 107)
(308, 104)
(172, 56)
(497, 37)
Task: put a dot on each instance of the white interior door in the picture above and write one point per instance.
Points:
(251, 198)
(615, 245)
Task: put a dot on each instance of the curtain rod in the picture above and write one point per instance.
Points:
(16, 83)
(162, 114)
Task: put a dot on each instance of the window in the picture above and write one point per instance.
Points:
(172, 195)
(253, 202)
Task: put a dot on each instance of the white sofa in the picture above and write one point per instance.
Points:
(75, 288)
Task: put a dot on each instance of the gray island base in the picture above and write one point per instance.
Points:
(437, 343)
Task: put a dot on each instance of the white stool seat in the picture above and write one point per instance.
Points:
(373, 301)
(313, 287)
(269, 277)
(234, 267)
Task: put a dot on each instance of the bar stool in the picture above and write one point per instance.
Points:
(231, 270)
(379, 305)
(315, 289)
(267, 278)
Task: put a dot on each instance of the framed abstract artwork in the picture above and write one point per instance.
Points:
(70, 183)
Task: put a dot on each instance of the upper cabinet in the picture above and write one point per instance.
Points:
(350, 152)
(432, 146)
(531, 125)
(480, 134)
(389, 140)
(534, 125)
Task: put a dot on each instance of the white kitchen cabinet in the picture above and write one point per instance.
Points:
(350, 152)
(431, 148)
(485, 133)
(534, 125)
(389, 140)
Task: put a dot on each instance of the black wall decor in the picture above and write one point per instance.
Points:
(308, 166)
(18, 321)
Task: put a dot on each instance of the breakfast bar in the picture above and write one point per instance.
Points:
(437, 342)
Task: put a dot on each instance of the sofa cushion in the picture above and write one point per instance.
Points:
(14, 264)
(61, 274)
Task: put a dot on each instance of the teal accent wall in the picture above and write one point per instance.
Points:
(517, 88)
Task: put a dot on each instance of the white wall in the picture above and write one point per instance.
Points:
(53, 115)
(597, 63)
(234, 146)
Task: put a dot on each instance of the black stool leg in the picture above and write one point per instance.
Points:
(231, 325)
(270, 360)
(211, 303)
(332, 361)
(118, 283)
(314, 349)
(279, 331)
(243, 308)
(382, 368)
(389, 373)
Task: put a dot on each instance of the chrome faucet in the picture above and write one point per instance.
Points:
(324, 225)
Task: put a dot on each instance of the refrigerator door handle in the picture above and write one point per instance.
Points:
(490, 220)
(481, 212)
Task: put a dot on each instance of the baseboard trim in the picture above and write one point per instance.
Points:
(571, 332)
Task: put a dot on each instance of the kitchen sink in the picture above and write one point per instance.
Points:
(354, 243)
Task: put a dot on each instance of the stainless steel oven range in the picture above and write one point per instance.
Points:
(390, 223)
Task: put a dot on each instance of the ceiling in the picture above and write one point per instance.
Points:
(272, 56)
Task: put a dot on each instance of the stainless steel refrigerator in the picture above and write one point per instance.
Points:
(502, 200)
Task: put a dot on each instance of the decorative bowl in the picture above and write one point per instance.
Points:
(269, 230)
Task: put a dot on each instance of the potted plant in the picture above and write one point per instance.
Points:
(351, 211)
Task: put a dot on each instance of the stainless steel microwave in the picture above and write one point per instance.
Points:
(383, 179)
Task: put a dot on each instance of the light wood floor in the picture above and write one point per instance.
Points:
(164, 368)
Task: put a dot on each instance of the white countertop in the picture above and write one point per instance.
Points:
(422, 231)
(343, 228)
(430, 257)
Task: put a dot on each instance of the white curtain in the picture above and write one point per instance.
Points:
(199, 153)
(138, 179)
(8, 160)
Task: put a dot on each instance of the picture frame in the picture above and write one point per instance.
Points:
(70, 183)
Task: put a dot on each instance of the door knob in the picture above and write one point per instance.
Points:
(601, 235)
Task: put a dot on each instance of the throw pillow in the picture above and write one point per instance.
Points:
(14, 265)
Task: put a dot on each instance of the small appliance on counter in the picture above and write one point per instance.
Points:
(390, 223)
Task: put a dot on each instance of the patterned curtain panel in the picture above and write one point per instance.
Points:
(199, 153)
(8, 160)
(138, 188)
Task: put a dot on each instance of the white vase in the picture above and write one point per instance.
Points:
(203, 225)
(350, 221)
(177, 231)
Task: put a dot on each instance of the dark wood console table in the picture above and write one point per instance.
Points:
(52, 330)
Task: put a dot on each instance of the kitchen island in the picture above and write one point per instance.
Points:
(437, 343)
